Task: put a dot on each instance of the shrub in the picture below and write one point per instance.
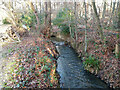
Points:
(65, 29)
(91, 62)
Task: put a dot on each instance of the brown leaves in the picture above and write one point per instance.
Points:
(104, 51)
(35, 65)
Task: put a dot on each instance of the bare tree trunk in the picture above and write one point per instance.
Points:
(49, 13)
(103, 13)
(104, 9)
(112, 16)
(111, 6)
(85, 27)
(113, 9)
(46, 14)
(119, 16)
(40, 7)
(48, 18)
(98, 20)
(117, 48)
(76, 36)
(36, 14)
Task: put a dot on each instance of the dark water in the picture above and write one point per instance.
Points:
(71, 70)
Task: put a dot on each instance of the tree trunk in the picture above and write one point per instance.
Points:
(46, 15)
(103, 13)
(49, 14)
(75, 13)
(117, 48)
(49, 18)
(119, 16)
(40, 7)
(36, 14)
(85, 27)
(98, 20)
(113, 11)
(104, 9)
(111, 6)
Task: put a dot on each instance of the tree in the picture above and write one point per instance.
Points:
(40, 6)
(119, 15)
(75, 13)
(117, 52)
(49, 13)
(113, 10)
(36, 14)
(47, 21)
(98, 20)
(46, 14)
(104, 9)
(85, 27)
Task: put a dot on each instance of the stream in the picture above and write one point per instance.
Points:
(71, 70)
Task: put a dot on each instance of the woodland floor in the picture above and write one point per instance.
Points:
(32, 63)
(104, 51)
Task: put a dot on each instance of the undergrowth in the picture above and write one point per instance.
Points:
(91, 63)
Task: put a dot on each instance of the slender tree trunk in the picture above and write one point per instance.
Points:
(75, 13)
(49, 14)
(104, 9)
(36, 14)
(98, 20)
(49, 18)
(113, 9)
(70, 29)
(103, 13)
(119, 16)
(85, 27)
(46, 13)
(112, 16)
(111, 6)
(40, 7)
(117, 48)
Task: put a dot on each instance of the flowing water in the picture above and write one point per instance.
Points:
(71, 70)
